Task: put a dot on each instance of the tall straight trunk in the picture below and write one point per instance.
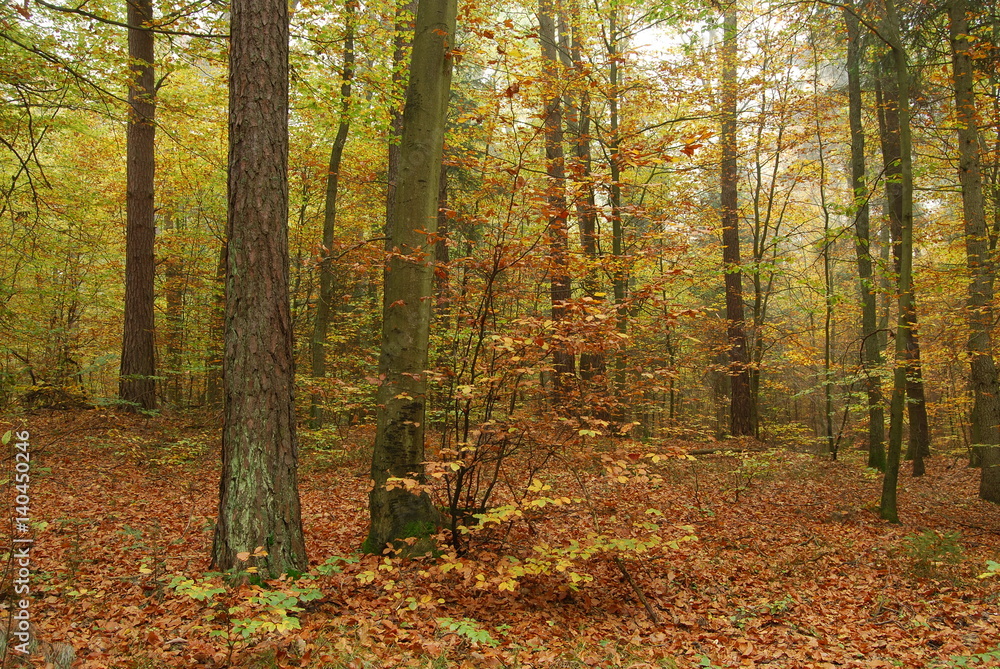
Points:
(398, 512)
(173, 341)
(740, 413)
(983, 372)
(321, 325)
(137, 384)
(871, 352)
(828, 288)
(401, 42)
(258, 493)
(619, 268)
(578, 124)
(904, 350)
(560, 288)
(890, 115)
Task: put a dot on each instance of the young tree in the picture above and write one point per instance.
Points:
(323, 305)
(397, 511)
(259, 495)
(985, 417)
(871, 353)
(137, 384)
(904, 349)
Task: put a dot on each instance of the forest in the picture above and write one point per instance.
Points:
(420, 333)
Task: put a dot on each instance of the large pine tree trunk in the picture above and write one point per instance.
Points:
(740, 409)
(259, 495)
(397, 512)
(324, 307)
(983, 372)
(871, 353)
(137, 384)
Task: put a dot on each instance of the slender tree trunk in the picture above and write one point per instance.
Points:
(258, 494)
(828, 288)
(560, 291)
(871, 353)
(173, 289)
(739, 369)
(137, 384)
(891, 111)
(578, 123)
(397, 512)
(904, 350)
(324, 306)
(983, 372)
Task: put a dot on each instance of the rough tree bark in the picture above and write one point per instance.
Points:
(399, 512)
(258, 493)
(137, 383)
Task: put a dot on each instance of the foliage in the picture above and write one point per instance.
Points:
(930, 550)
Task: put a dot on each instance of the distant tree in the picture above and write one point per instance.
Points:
(259, 496)
(137, 384)
(397, 511)
(326, 273)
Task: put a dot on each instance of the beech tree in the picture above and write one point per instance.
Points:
(258, 495)
(985, 418)
(398, 511)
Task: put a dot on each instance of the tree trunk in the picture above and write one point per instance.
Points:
(137, 384)
(560, 290)
(173, 341)
(578, 123)
(401, 41)
(871, 353)
(259, 495)
(399, 513)
(983, 373)
(740, 418)
(321, 325)
(891, 111)
(904, 350)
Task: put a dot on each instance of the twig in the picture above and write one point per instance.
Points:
(638, 591)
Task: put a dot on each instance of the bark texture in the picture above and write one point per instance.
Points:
(137, 384)
(259, 497)
(400, 513)
(983, 372)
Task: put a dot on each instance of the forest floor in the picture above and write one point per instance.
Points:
(791, 566)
